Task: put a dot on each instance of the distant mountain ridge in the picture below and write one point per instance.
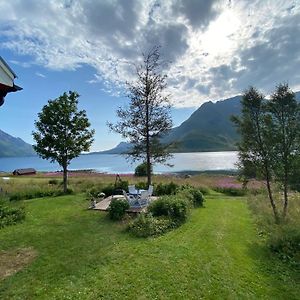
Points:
(208, 129)
(11, 146)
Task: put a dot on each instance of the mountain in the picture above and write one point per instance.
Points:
(121, 148)
(11, 146)
(208, 129)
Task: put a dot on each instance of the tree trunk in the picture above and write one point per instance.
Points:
(285, 195)
(65, 178)
(274, 208)
(148, 156)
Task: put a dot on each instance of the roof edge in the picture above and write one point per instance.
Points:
(8, 67)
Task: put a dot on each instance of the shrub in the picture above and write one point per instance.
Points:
(146, 225)
(141, 170)
(204, 190)
(111, 189)
(141, 185)
(174, 207)
(282, 239)
(117, 209)
(39, 193)
(193, 194)
(285, 241)
(93, 193)
(11, 215)
(166, 189)
(53, 182)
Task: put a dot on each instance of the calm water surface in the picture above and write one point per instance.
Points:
(111, 163)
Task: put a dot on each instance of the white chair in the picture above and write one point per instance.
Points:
(143, 199)
(132, 200)
(150, 190)
(132, 190)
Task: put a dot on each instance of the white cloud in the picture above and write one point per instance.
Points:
(40, 75)
(217, 47)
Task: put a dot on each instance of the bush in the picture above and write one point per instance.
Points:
(204, 190)
(146, 225)
(194, 195)
(111, 189)
(94, 193)
(141, 170)
(166, 189)
(39, 193)
(285, 241)
(117, 209)
(142, 185)
(53, 182)
(11, 215)
(173, 207)
(282, 239)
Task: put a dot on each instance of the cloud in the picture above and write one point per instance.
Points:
(198, 13)
(217, 48)
(40, 75)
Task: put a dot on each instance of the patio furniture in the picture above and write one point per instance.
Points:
(150, 190)
(132, 190)
(132, 200)
(143, 199)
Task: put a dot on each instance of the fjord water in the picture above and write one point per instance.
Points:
(112, 163)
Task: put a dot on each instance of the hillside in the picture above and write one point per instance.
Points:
(12, 146)
(208, 129)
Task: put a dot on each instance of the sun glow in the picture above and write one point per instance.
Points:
(220, 36)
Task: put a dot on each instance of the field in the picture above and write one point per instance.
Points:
(64, 251)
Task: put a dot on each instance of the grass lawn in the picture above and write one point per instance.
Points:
(80, 254)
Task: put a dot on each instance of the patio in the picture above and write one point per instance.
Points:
(103, 205)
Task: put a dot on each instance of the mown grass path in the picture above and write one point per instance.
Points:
(217, 254)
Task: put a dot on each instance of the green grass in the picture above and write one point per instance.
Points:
(81, 254)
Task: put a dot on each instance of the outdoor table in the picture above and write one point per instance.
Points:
(137, 192)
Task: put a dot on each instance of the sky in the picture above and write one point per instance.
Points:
(214, 49)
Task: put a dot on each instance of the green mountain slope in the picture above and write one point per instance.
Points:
(209, 128)
(11, 146)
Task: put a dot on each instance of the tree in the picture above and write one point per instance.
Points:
(147, 118)
(285, 116)
(270, 140)
(62, 132)
(255, 147)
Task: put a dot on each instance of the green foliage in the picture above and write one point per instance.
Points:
(112, 189)
(37, 193)
(269, 145)
(54, 182)
(141, 170)
(145, 225)
(193, 194)
(285, 241)
(166, 189)
(141, 185)
(204, 190)
(10, 215)
(174, 207)
(94, 192)
(148, 116)
(62, 132)
(117, 209)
